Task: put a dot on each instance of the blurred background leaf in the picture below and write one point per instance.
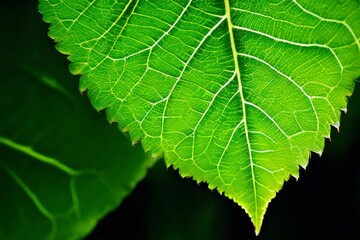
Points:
(323, 204)
(62, 166)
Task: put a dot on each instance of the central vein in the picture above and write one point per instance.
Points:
(237, 70)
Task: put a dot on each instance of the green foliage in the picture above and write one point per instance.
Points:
(235, 94)
(62, 167)
(47, 131)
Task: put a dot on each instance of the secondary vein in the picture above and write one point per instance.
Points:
(33, 198)
(38, 156)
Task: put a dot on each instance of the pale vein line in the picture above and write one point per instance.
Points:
(33, 198)
(161, 73)
(207, 13)
(138, 82)
(293, 43)
(272, 18)
(334, 21)
(291, 80)
(74, 197)
(205, 112)
(263, 134)
(111, 90)
(302, 45)
(271, 172)
(152, 18)
(237, 70)
(327, 100)
(121, 31)
(229, 101)
(330, 20)
(268, 116)
(157, 42)
(38, 156)
(226, 148)
(222, 114)
(262, 185)
(312, 45)
(118, 19)
(183, 70)
(80, 14)
(262, 151)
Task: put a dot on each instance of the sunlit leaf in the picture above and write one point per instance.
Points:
(234, 93)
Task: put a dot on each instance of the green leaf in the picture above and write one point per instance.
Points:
(233, 93)
(62, 167)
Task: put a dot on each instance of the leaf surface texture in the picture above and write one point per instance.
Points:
(234, 93)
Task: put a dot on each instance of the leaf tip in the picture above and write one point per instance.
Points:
(258, 225)
(257, 231)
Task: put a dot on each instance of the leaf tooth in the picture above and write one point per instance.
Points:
(318, 152)
(74, 67)
(336, 125)
(84, 90)
(185, 174)
(124, 130)
(327, 135)
(133, 136)
(135, 141)
(199, 179)
(295, 175)
(113, 121)
(156, 155)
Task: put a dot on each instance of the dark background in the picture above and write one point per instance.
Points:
(323, 204)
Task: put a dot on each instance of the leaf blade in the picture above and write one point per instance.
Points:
(180, 94)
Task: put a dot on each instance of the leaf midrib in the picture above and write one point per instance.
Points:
(244, 120)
